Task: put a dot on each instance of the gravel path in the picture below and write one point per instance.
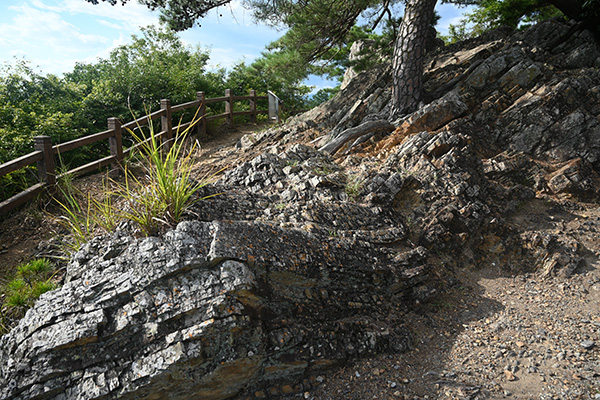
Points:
(495, 335)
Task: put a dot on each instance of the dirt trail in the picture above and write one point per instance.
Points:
(498, 334)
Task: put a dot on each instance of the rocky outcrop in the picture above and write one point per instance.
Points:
(204, 311)
(306, 260)
(356, 53)
(526, 98)
(506, 92)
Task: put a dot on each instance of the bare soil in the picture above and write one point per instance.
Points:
(498, 335)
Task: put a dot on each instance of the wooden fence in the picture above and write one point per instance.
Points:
(44, 152)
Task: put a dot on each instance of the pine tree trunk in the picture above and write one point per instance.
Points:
(570, 8)
(409, 54)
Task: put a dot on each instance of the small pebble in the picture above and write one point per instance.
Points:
(509, 376)
(588, 344)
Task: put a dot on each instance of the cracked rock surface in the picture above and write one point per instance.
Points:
(206, 310)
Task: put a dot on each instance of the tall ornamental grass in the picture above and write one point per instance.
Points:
(154, 199)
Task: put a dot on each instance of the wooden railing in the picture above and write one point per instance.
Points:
(45, 152)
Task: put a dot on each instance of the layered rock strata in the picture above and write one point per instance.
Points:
(204, 311)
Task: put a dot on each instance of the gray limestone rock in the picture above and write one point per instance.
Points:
(201, 313)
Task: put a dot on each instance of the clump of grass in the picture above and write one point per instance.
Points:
(30, 282)
(84, 215)
(324, 170)
(353, 187)
(154, 199)
(78, 218)
(166, 190)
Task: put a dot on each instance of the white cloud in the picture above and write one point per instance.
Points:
(18, 53)
(319, 83)
(45, 28)
(55, 34)
(224, 57)
(238, 13)
(111, 25)
(450, 14)
(39, 4)
(444, 26)
(105, 52)
(131, 14)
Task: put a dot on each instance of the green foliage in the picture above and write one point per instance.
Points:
(156, 65)
(31, 105)
(153, 66)
(265, 74)
(322, 96)
(30, 282)
(514, 13)
(166, 190)
(491, 14)
(16, 181)
(135, 76)
(321, 32)
(153, 199)
(34, 268)
(591, 10)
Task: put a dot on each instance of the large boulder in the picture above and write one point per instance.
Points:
(203, 312)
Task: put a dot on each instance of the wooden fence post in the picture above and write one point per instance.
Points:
(202, 114)
(229, 105)
(46, 167)
(166, 123)
(253, 106)
(115, 142)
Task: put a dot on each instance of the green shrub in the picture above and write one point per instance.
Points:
(31, 281)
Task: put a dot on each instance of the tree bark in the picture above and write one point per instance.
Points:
(409, 54)
(571, 8)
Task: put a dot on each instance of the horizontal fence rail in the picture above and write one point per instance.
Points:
(44, 153)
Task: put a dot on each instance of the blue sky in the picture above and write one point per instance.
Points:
(55, 34)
